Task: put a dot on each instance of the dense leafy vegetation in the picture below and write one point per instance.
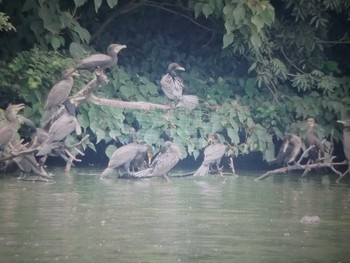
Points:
(259, 67)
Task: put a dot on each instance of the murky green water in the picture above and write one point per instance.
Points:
(80, 218)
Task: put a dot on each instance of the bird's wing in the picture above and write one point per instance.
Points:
(214, 152)
(94, 61)
(178, 86)
(58, 93)
(165, 163)
(172, 87)
(62, 127)
(123, 155)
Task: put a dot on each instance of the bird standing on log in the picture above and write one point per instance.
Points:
(28, 164)
(123, 156)
(10, 126)
(172, 86)
(60, 129)
(57, 95)
(101, 61)
(167, 158)
(139, 162)
(212, 155)
(346, 141)
(289, 150)
(317, 152)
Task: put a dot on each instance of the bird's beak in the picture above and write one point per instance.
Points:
(342, 122)
(19, 107)
(180, 68)
(76, 74)
(119, 47)
(285, 146)
(149, 157)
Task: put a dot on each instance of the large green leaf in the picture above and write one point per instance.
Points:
(228, 39)
(97, 5)
(79, 3)
(112, 3)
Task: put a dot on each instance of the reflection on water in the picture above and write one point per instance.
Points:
(80, 218)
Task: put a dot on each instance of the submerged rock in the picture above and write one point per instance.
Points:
(310, 219)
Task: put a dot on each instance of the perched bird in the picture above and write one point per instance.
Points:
(172, 86)
(212, 155)
(289, 150)
(60, 129)
(123, 156)
(346, 140)
(167, 158)
(10, 126)
(317, 152)
(139, 162)
(57, 95)
(101, 61)
(28, 164)
(38, 136)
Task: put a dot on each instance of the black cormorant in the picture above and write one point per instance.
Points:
(317, 152)
(101, 61)
(10, 125)
(212, 155)
(57, 95)
(289, 150)
(167, 158)
(172, 86)
(139, 162)
(346, 141)
(123, 156)
(60, 129)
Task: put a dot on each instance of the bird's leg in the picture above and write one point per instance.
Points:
(219, 169)
(166, 177)
(42, 161)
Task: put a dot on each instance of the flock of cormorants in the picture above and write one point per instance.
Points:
(59, 121)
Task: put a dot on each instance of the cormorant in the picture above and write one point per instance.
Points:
(172, 86)
(38, 136)
(123, 156)
(11, 124)
(101, 61)
(139, 160)
(289, 150)
(60, 129)
(28, 164)
(57, 95)
(212, 155)
(346, 141)
(317, 152)
(167, 158)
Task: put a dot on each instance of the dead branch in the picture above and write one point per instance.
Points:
(85, 95)
(346, 172)
(304, 167)
(126, 104)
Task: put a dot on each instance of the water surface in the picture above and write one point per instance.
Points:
(80, 218)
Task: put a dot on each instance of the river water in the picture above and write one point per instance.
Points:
(80, 218)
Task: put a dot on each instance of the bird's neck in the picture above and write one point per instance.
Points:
(172, 73)
(11, 117)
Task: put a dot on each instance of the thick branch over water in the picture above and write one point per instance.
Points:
(85, 95)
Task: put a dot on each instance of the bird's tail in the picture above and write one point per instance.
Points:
(188, 101)
(48, 116)
(45, 149)
(106, 173)
(202, 170)
(143, 173)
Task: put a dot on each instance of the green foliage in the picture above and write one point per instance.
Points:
(5, 25)
(30, 75)
(257, 75)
